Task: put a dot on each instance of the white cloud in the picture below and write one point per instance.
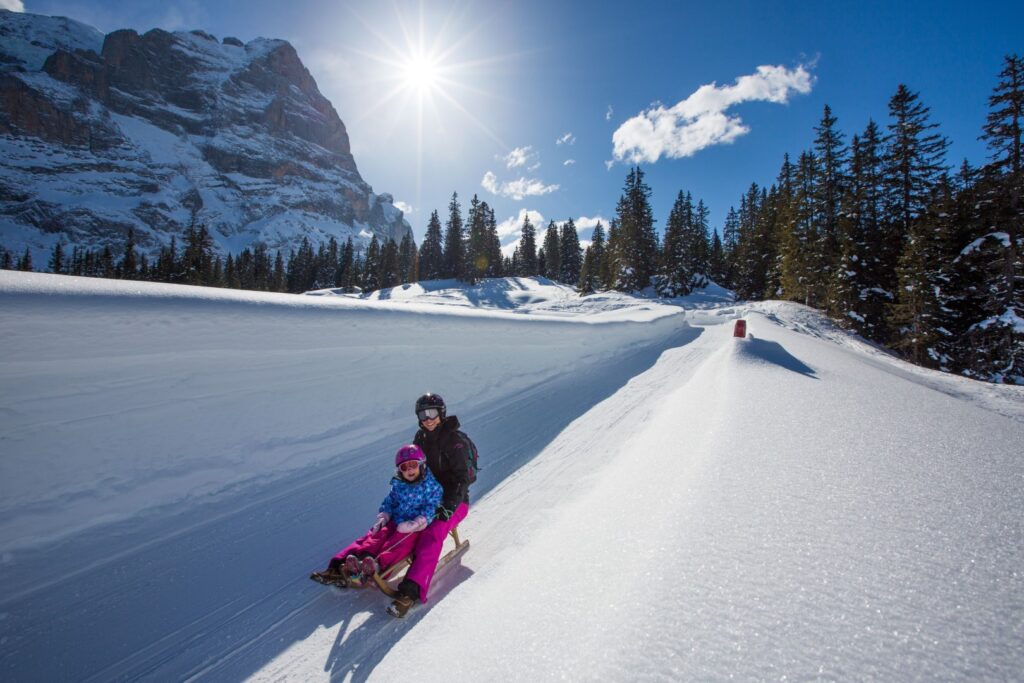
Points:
(516, 189)
(490, 183)
(510, 229)
(13, 5)
(567, 139)
(568, 162)
(589, 222)
(608, 164)
(520, 156)
(701, 120)
(403, 207)
(608, 114)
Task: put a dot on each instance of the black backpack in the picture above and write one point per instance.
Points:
(472, 454)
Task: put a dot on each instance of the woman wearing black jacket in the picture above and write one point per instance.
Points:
(447, 460)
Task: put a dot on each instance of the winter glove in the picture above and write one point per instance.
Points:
(382, 519)
(442, 513)
(413, 525)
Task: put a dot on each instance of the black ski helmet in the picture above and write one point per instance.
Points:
(431, 401)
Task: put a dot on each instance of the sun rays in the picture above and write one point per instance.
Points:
(426, 74)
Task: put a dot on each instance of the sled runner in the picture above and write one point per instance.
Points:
(383, 579)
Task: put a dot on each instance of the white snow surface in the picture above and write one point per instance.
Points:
(659, 499)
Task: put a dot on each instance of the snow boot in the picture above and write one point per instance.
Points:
(351, 568)
(330, 577)
(400, 606)
(369, 566)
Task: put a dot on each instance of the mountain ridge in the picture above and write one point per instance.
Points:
(155, 132)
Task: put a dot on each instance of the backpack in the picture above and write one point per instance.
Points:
(472, 454)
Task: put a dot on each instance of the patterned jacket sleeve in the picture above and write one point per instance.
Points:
(388, 505)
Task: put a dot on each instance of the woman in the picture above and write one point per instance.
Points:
(445, 449)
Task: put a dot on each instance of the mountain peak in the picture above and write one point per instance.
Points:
(157, 131)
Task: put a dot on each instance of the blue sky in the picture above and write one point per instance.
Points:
(520, 102)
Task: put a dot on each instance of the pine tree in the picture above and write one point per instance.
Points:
(717, 268)
(676, 274)
(699, 242)
(324, 266)
(197, 262)
(995, 348)
(608, 263)
(25, 262)
(755, 250)
(478, 246)
(280, 281)
(56, 263)
(168, 268)
(918, 319)
(454, 241)
(407, 265)
(784, 216)
(496, 262)
(914, 158)
(590, 270)
(912, 163)
(107, 265)
(389, 275)
(527, 251)
(830, 179)
(730, 240)
(372, 266)
(858, 289)
(129, 266)
(638, 249)
(432, 259)
(571, 256)
(798, 253)
(217, 277)
(301, 269)
(552, 253)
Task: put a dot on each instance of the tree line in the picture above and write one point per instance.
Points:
(880, 233)
(894, 244)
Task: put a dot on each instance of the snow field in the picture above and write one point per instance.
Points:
(659, 501)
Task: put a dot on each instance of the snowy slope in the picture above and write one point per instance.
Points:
(659, 500)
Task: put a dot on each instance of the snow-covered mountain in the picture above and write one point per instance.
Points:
(102, 134)
(658, 501)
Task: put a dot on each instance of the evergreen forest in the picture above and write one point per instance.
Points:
(874, 227)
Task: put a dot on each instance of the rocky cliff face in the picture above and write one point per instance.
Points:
(103, 134)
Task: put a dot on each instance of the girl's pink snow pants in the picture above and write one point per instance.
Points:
(387, 545)
(428, 549)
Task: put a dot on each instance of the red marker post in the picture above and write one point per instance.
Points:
(740, 330)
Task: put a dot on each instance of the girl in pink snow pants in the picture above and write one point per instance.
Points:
(403, 514)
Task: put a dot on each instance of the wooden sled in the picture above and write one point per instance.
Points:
(383, 579)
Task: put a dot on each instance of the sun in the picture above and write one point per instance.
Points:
(421, 73)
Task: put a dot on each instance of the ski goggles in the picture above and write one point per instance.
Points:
(428, 414)
(409, 466)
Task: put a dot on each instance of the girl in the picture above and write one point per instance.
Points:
(405, 512)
